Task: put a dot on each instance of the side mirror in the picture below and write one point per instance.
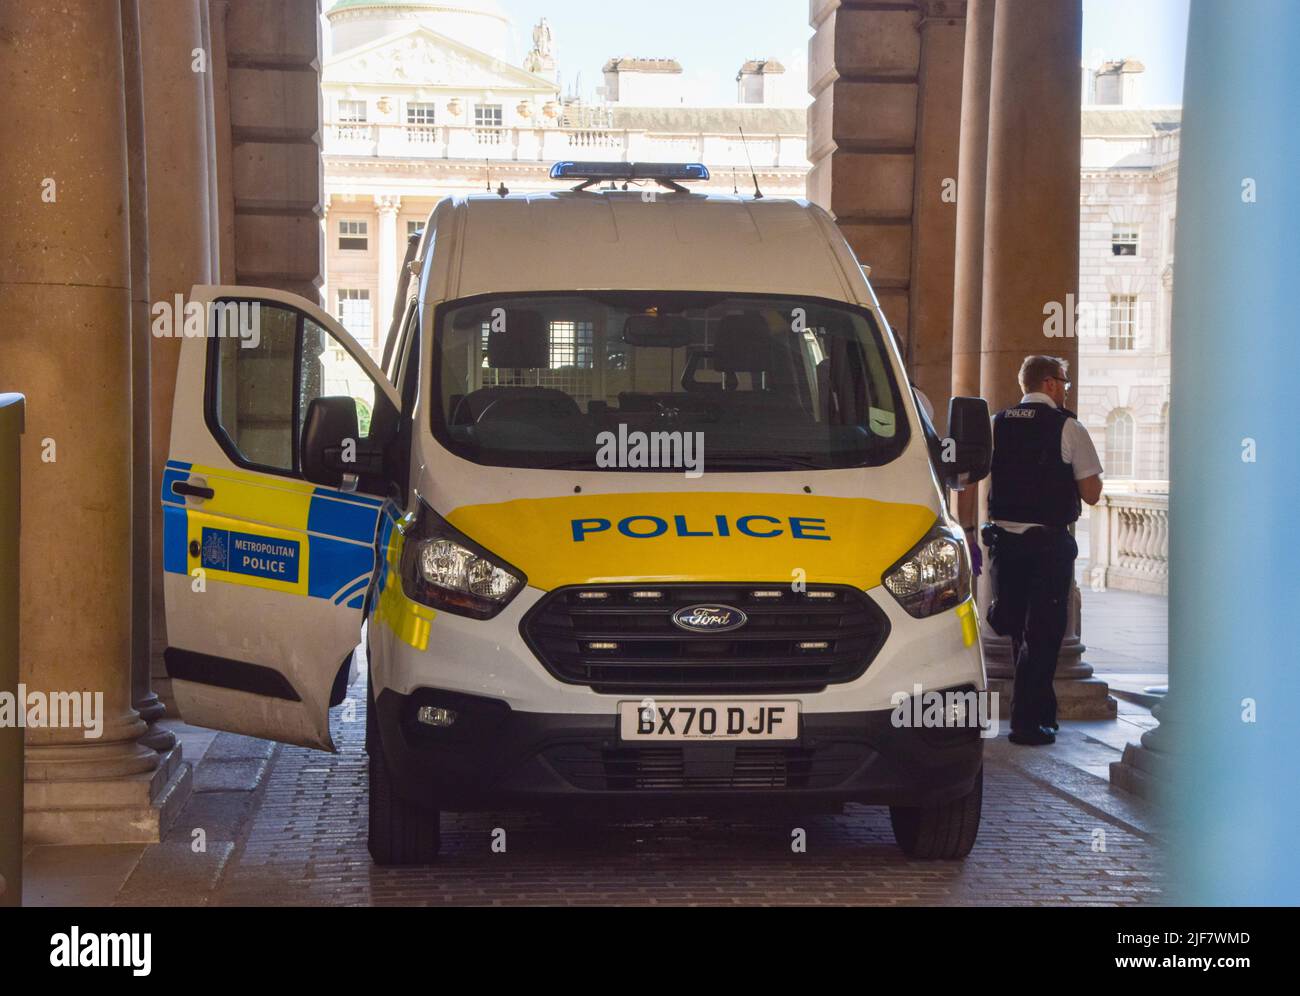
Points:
(971, 432)
(333, 452)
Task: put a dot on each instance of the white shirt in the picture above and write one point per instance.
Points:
(1076, 449)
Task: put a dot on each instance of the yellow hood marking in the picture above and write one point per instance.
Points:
(857, 539)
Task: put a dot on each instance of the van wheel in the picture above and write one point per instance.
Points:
(401, 832)
(946, 831)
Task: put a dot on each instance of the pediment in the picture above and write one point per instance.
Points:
(421, 57)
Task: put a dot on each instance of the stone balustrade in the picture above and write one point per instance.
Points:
(348, 138)
(1129, 537)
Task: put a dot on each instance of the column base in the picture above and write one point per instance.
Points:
(132, 809)
(1076, 698)
(1140, 771)
(1146, 768)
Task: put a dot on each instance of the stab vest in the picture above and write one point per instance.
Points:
(1030, 482)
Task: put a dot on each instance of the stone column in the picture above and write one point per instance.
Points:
(1222, 760)
(272, 89)
(862, 73)
(65, 270)
(176, 153)
(882, 138)
(146, 700)
(388, 207)
(1031, 249)
(972, 161)
(935, 197)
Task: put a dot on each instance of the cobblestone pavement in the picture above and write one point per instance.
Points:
(303, 841)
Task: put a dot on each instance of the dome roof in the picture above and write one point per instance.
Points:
(480, 24)
(468, 6)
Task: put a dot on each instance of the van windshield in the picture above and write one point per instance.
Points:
(660, 381)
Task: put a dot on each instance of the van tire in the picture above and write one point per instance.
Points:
(946, 831)
(401, 832)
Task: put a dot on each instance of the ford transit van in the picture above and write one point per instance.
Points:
(635, 510)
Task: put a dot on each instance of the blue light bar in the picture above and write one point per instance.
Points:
(566, 170)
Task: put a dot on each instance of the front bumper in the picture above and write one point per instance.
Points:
(495, 756)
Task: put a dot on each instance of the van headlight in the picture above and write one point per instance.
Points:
(445, 569)
(933, 576)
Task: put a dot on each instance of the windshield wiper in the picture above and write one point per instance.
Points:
(782, 460)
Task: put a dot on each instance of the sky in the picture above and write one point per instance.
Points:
(712, 39)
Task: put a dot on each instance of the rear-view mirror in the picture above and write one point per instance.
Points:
(666, 331)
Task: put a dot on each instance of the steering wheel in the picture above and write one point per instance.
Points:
(522, 409)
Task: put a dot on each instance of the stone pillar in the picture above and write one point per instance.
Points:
(882, 138)
(972, 161)
(862, 73)
(272, 71)
(65, 270)
(968, 278)
(388, 207)
(179, 219)
(221, 161)
(935, 197)
(1031, 249)
(1222, 760)
(147, 703)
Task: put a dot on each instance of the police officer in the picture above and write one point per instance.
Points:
(1044, 464)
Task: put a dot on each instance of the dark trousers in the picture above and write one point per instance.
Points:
(1031, 575)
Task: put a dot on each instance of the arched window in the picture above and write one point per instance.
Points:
(1119, 444)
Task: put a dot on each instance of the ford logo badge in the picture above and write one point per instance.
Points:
(709, 618)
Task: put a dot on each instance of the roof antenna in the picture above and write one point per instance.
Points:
(758, 194)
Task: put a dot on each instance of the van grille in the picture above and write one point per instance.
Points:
(711, 767)
(619, 639)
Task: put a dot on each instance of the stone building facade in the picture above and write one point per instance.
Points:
(423, 101)
(1126, 259)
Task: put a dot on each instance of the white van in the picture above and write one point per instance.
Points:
(640, 513)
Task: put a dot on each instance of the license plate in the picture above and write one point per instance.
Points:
(659, 720)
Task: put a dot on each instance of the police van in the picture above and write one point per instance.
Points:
(637, 509)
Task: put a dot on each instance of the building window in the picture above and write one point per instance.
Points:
(419, 113)
(1123, 321)
(352, 119)
(571, 345)
(1119, 444)
(1124, 240)
(419, 122)
(354, 313)
(487, 122)
(414, 228)
(353, 235)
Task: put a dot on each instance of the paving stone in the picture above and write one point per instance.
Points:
(173, 874)
(307, 844)
(301, 839)
(221, 816)
(229, 776)
(236, 746)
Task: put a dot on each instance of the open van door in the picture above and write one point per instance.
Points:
(264, 573)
